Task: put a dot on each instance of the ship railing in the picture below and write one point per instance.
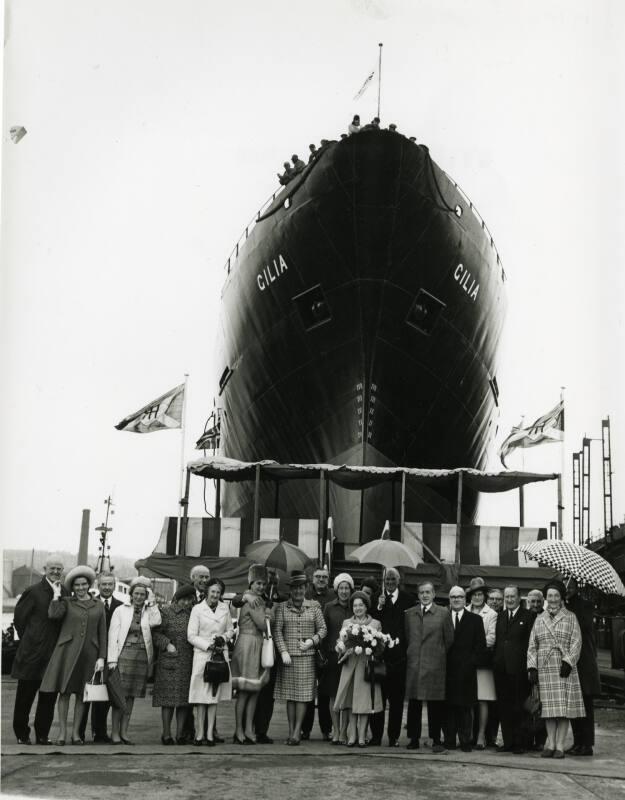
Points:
(480, 219)
(248, 229)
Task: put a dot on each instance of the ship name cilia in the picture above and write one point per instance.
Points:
(269, 275)
(466, 281)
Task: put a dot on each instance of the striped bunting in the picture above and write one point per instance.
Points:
(229, 536)
(486, 545)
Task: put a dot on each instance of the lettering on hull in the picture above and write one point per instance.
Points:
(271, 273)
(466, 281)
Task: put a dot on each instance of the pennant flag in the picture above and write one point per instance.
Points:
(365, 85)
(162, 413)
(546, 429)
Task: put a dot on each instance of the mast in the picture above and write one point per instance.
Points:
(379, 77)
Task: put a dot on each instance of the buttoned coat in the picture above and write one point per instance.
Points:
(465, 655)
(37, 632)
(81, 641)
(293, 624)
(554, 640)
(391, 617)
(120, 625)
(428, 639)
(511, 642)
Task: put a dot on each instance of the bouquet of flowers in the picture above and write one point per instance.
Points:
(363, 640)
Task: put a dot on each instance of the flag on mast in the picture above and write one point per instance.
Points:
(365, 85)
(163, 413)
(546, 429)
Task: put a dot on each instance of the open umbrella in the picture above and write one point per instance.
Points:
(574, 561)
(386, 552)
(278, 554)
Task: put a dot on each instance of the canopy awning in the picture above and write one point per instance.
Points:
(357, 477)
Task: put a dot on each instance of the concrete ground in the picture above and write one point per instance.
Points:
(315, 768)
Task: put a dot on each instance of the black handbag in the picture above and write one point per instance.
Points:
(375, 671)
(216, 670)
(532, 703)
(321, 659)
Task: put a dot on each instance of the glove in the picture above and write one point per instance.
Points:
(286, 659)
(565, 669)
(532, 675)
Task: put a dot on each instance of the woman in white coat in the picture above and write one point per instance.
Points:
(476, 596)
(209, 619)
(130, 650)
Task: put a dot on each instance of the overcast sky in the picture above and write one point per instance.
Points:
(155, 130)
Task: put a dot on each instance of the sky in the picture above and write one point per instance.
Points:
(154, 134)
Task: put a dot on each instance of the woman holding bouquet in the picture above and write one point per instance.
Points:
(249, 676)
(210, 627)
(355, 647)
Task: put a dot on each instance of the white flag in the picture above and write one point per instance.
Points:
(162, 413)
(365, 85)
(546, 429)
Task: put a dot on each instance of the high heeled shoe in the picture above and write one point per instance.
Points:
(236, 740)
(167, 740)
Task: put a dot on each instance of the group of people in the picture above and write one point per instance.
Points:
(296, 166)
(348, 653)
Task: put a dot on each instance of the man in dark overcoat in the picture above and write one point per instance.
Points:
(392, 604)
(429, 635)
(514, 625)
(38, 635)
(99, 711)
(588, 671)
(467, 653)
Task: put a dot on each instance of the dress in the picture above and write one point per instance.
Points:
(552, 641)
(173, 670)
(354, 691)
(485, 676)
(246, 670)
(82, 640)
(204, 625)
(296, 682)
(133, 660)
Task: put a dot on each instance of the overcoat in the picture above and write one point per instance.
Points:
(428, 639)
(511, 640)
(172, 674)
(204, 625)
(354, 692)
(465, 655)
(37, 632)
(587, 667)
(552, 641)
(81, 641)
(120, 625)
(392, 620)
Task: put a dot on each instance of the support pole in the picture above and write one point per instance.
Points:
(276, 500)
(322, 516)
(218, 498)
(458, 517)
(256, 532)
(379, 78)
(402, 509)
(521, 507)
(183, 521)
(560, 506)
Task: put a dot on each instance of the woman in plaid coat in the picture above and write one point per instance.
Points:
(298, 630)
(554, 649)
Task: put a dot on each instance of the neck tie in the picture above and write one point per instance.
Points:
(423, 609)
(456, 618)
(510, 616)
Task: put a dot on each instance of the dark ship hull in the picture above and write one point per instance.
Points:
(360, 325)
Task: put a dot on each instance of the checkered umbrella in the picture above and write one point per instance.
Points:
(574, 561)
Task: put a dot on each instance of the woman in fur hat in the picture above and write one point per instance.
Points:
(247, 674)
(80, 649)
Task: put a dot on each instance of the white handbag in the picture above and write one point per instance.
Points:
(95, 692)
(267, 653)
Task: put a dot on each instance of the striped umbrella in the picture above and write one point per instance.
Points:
(278, 554)
(574, 561)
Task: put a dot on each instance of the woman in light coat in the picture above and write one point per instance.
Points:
(209, 619)
(130, 649)
(476, 596)
(554, 648)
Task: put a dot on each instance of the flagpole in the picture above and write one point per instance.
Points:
(562, 467)
(379, 77)
(182, 465)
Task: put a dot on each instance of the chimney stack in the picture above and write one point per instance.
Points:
(83, 548)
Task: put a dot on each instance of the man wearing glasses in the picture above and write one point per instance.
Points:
(323, 594)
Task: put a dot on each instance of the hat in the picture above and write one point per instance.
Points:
(81, 571)
(477, 585)
(343, 577)
(360, 596)
(256, 572)
(185, 591)
(140, 580)
(557, 585)
(297, 578)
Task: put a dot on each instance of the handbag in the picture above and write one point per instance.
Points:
(216, 669)
(267, 654)
(321, 659)
(375, 671)
(168, 661)
(95, 692)
(532, 703)
(117, 695)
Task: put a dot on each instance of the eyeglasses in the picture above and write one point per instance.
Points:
(456, 597)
